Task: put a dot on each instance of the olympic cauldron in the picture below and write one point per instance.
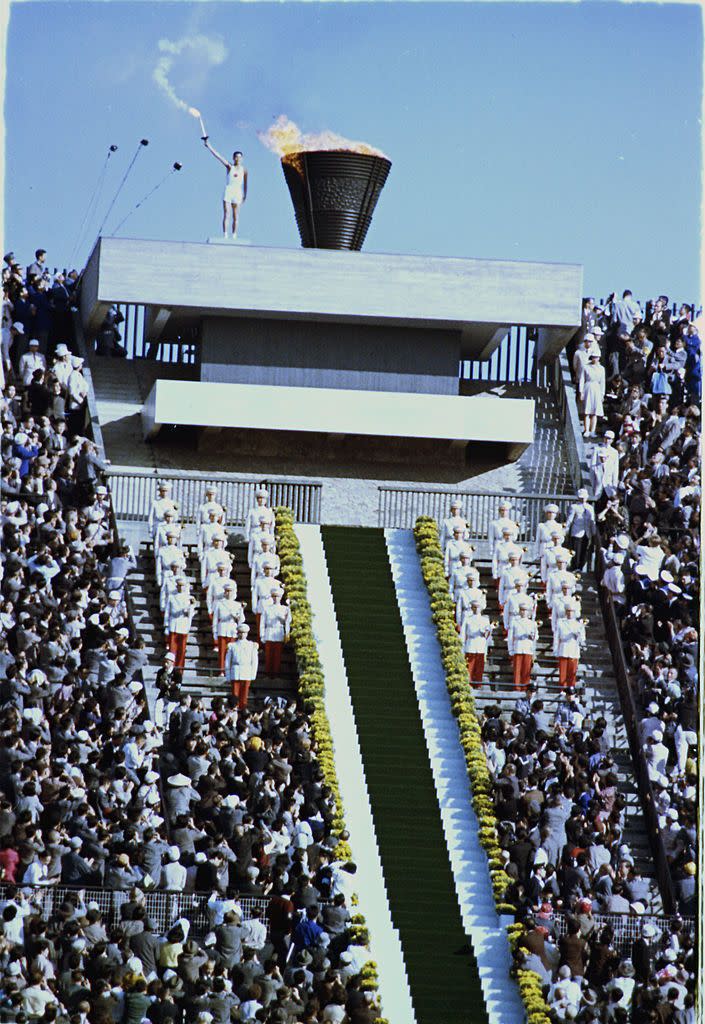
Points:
(334, 193)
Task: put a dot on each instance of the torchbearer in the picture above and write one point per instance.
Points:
(448, 526)
(216, 586)
(216, 553)
(267, 554)
(265, 529)
(502, 550)
(274, 625)
(159, 505)
(228, 614)
(568, 639)
(235, 192)
(453, 550)
(521, 642)
(169, 554)
(476, 636)
(241, 662)
(497, 526)
(177, 621)
(262, 592)
(260, 509)
(203, 510)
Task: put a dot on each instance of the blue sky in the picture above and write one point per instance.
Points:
(528, 131)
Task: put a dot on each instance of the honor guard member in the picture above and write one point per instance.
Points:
(521, 642)
(466, 594)
(216, 553)
(209, 529)
(159, 505)
(454, 548)
(262, 593)
(168, 554)
(177, 621)
(476, 636)
(169, 578)
(210, 503)
(168, 526)
(459, 576)
(216, 586)
(558, 576)
(568, 640)
(547, 529)
(264, 529)
(274, 626)
(502, 550)
(497, 526)
(241, 661)
(613, 581)
(550, 550)
(515, 598)
(268, 553)
(228, 614)
(560, 602)
(509, 574)
(253, 519)
(580, 528)
(448, 526)
(551, 556)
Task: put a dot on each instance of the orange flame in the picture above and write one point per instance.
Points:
(285, 137)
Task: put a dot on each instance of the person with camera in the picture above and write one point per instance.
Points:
(108, 338)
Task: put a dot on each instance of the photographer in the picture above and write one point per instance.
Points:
(108, 338)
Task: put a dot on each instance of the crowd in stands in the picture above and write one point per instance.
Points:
(225, 799)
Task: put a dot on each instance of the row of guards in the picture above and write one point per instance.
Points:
(511, 578)
(238, 656)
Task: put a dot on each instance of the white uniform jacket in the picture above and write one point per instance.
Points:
(476, 634)
(216, 590)
(160, 538)
(453, 551)
(253, 545)
(522, 637)
(258, 561)
(167, 554)
(500, 556)
(253, 517)
(506, 581)
(581, 521)
(157, 510)
(613, 580)
(569, 638)
(543, 534)
(228, 614)
(555, 583)
(511, 607)
(178, 614)
(203, 513)
(206, 532)
(262, 592)
(209, 564)
(497, 528)
(275, 622)
(241, 660)
(449, 525)
(548, 559)
(558, 609)
(463, 605)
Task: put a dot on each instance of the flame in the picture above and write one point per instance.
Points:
(194, 112)
(284, 138)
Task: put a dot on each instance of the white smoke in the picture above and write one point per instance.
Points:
(211, 52)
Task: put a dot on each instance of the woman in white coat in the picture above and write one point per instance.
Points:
(568, 640)
(593, 393)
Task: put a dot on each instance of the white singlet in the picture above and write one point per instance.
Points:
(234, 184)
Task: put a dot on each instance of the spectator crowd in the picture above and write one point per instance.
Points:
(206, 803)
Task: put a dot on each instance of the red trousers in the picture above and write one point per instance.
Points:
(567, 671)
(272, 657)
(177, 646)
(222, 644)
(476, 667)
(241, 690)
(522, 670)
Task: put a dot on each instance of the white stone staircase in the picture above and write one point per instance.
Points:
(468, 859)
(373, 901)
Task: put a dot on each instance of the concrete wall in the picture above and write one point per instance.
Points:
(243, 350)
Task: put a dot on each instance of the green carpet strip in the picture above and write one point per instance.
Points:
(443, 978)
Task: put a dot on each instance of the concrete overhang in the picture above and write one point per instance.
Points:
(183, 282)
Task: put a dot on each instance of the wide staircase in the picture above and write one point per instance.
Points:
(597, 682)
(201, 674)
(442, 971)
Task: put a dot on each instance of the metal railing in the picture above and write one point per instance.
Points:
(564, 393)
(164, 908)
(182, 348)
(627, 927)
(400, 507)
(513, 361)
(133, 490)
